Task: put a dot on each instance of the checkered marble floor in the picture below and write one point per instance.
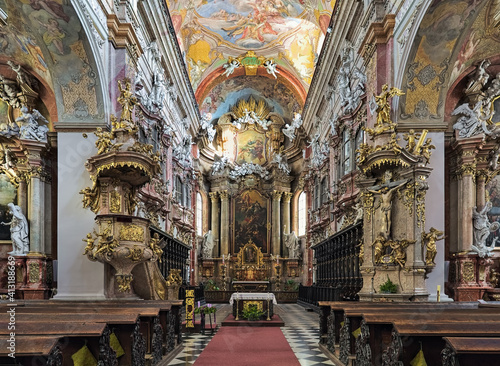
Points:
(300, 330)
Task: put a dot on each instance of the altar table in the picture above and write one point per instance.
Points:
(263, 300)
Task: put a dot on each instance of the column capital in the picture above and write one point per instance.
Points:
(287, 196)
(277, 195)
(224, 195)
(213, 196)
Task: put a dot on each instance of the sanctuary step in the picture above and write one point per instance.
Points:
(369, 333)
(114, 332)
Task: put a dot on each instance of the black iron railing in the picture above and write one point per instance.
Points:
(175, 255)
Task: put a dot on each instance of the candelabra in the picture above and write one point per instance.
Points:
(278, 268)
(224, 277)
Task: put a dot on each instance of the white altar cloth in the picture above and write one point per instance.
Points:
(252, 296)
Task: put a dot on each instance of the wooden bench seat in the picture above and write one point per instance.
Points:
(145, 329)
(427, 323)
(471, 351)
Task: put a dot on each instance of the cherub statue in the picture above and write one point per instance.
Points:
(230, 66)
(429, 239)
(90, 240)
(270, 66)
(411, 138)
(154, 244)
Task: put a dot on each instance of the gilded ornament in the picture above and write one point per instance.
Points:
(124, 282)
(128, 102)
(468, 272)
(106, 243)
(115, 202)
(214, 197)
(174, 277)
(429, 240)
(384, 122)
(154, 244)
(90, 240)
(135, 254)
(277, 195)
(33, 272)
(361, 254)
(105, 142)
(224, 195)
(131, 232)
(91, 197)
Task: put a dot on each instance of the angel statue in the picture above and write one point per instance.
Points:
(482, 230)
(429, 239)
(230, 66)
(383, 107)
(289, 129)
(474, 121)
(271, 68)
(18, 230)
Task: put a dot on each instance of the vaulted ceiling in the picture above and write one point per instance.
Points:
(290, 33)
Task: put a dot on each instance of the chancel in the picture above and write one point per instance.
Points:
(169, 167)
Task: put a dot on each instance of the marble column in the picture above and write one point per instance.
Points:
(36, 215)
(224, 224)
(214, 197)
(276, 218)
(287, 196)
(22, 195)
(467, 202)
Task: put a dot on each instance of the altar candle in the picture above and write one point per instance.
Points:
(222, 258)
(278, 259)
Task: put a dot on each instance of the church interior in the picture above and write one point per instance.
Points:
(331, 161)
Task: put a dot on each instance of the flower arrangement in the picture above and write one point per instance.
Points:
(205, 309)
(252, 313)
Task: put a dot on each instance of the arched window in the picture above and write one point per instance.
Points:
(178, 190)
(346, 152)
(302, 214)
(199, 214)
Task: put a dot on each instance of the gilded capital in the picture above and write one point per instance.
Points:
(287, 196)
(224, 195)
(277, 195)
(213, 196)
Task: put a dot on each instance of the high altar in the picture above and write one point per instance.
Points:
(251, 199)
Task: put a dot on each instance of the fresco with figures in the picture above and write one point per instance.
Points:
(291, 32)
(46, 34)
(250, 220)
(277, 95)
(251, 147)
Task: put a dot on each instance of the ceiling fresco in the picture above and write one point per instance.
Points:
(291, 33)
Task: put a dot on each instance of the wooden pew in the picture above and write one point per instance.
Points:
(31, 350)
(343, 346)
(471, 351)
(137, 347)
(71, 337)
(332, 316)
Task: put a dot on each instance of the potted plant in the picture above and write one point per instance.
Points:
(252, 313)
(388, 287)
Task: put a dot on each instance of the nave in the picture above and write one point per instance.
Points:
(300, 330)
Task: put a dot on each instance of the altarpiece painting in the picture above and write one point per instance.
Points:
(8, 194)
(250, 220)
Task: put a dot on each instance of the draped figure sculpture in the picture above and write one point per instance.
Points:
(292, 243)
(18, 231)
(208, 245)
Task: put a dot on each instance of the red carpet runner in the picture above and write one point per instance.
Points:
(247, 346)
